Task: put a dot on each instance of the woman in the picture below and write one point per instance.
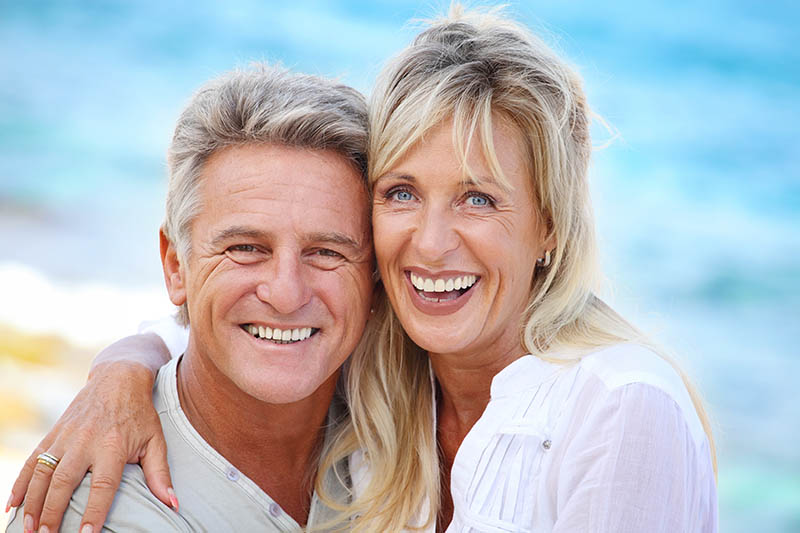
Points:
(498, 393)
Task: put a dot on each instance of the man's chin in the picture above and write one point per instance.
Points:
(282, 388)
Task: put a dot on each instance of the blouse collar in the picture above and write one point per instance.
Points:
(526, 372)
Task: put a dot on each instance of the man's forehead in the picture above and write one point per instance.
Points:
(295, 171)
(261, 191)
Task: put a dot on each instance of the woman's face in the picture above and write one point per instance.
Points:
(457, 257)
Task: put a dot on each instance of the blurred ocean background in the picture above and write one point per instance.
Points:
(697, 198)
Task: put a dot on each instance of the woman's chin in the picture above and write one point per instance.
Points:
(437, 341)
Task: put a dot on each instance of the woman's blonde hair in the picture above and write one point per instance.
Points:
(475, 68)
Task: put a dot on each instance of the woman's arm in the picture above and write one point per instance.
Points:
(111, 421)
(633, 463)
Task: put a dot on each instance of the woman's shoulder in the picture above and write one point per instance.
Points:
(625, 364)
(635, 374)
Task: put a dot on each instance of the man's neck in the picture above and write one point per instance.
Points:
(275, 445)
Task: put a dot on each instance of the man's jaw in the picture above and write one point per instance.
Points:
(286, 335)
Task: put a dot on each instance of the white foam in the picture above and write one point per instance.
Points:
(86, 314)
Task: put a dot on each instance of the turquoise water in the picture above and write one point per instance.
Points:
(698, 199)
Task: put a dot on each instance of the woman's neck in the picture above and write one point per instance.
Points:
(465, 382)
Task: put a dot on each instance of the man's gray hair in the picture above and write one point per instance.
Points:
(263, 104)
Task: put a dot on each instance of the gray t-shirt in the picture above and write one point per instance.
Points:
(213, 494)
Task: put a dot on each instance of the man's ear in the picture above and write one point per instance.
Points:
(173, 271)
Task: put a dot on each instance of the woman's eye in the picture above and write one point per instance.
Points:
(400, 195)
(479, 200)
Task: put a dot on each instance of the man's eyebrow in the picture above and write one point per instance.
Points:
(238, 232)
(334, 237)
(244, 232)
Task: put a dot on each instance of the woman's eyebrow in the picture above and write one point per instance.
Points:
(397, 176)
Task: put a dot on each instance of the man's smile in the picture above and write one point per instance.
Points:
(278, 335)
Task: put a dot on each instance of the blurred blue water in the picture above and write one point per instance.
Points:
(698, 201)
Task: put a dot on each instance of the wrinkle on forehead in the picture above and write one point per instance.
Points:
(286, 189)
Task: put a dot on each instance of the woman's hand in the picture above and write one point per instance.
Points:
(112, 421)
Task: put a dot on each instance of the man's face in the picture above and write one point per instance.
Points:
(278, 280)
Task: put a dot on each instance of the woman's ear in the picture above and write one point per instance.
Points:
(549, 243)
(173, 270)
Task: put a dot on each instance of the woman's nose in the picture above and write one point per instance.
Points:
(435, 233)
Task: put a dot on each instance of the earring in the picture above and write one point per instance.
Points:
(544, 262)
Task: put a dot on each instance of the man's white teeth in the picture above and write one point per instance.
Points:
(442, 285)
(280, 335)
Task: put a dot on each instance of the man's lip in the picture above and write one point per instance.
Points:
(279, 326)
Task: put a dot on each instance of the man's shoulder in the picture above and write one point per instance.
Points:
(134, 508)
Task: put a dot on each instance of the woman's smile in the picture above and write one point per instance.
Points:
(442, 293)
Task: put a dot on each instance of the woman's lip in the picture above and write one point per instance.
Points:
(437, 308)
(437, 275)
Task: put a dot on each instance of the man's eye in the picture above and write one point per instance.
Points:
(244, 253)
(325, 252)
(242, 248)
(325, 258)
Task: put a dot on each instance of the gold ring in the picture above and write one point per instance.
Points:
(48, 460)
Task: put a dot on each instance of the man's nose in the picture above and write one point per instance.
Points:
(284, 286)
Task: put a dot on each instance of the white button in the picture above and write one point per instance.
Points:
(547, 444)
(274, 509)
(232, 474)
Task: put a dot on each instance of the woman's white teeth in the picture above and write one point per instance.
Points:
(280, 335)
(442, 285)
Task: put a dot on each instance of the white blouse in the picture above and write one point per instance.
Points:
(609, 444)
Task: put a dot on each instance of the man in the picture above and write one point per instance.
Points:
(266, 248)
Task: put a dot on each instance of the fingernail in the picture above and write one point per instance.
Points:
(27, 523)
(44, 529)
(8, 505)
(87, 528)
(173, 501)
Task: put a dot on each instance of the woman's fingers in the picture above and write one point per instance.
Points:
(63, 482)
(110, 422)
(20, 486)
(46, 468)
(106, 476)
(156, 470)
